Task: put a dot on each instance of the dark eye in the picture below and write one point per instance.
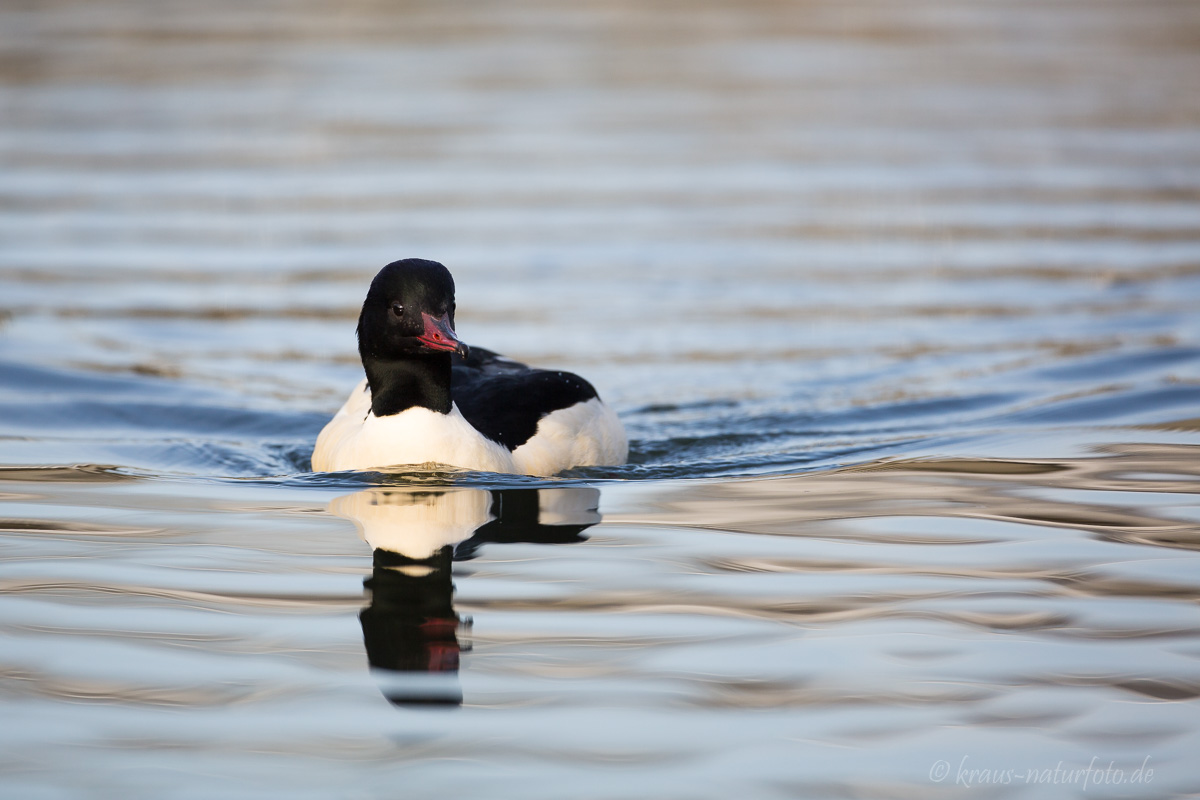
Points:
(397, 309)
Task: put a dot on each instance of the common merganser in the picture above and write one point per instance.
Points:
(429, 399)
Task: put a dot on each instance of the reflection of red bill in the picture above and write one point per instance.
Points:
(441, 644)
(439, 335)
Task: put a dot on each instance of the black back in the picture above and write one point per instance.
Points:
(504, 399)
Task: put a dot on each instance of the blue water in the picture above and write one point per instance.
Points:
(898, 304)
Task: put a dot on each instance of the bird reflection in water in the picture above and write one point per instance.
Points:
(410, 627)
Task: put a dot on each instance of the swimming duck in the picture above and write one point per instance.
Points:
(429, 399)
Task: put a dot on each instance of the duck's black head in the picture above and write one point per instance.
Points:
(406, 335)
(409, 312)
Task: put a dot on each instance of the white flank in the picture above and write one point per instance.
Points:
(583, 435)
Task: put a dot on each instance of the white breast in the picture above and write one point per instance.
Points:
(356, 439)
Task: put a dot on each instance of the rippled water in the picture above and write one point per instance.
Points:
(900, 303)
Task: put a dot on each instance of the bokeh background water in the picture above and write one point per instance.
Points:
(900, 303)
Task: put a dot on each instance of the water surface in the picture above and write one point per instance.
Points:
(897, 301)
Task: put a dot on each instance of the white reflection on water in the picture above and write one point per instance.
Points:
(415, 522)
(410, 629)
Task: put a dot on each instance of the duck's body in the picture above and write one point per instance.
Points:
(428, 400)
(584, 434)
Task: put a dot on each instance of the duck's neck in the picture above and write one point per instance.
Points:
(398, 385)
